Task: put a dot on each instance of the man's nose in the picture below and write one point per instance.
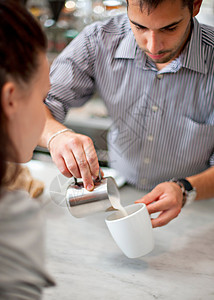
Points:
(154, 43)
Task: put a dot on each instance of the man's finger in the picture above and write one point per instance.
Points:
(91, 157)
(84, 169)
(150, 197)
(71, 164)
(158, 206)
(61, 165)
(164, 218)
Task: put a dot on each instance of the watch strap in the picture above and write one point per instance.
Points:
(180, 184)
(189, 192)
(186, 183)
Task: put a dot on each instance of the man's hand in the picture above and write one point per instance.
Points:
(74, 155)
(165, 198)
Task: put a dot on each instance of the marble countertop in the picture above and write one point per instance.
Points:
(87, 264)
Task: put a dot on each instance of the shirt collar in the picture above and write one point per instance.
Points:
(193, 57)
(127, 47)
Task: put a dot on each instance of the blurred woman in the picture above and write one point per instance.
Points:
(24, 83)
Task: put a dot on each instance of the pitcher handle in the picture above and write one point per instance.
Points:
(99, 178)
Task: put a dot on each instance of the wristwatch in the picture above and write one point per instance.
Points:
(189, 192)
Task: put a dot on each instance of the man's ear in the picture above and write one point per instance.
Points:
(8, 99)
(196, 7)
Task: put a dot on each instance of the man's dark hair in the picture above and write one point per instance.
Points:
(21, 41)
(152, 4)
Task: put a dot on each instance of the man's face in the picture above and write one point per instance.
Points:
(162, 33)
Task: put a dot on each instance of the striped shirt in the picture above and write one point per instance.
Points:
(162, 121)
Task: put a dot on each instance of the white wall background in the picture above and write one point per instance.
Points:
(206, 14)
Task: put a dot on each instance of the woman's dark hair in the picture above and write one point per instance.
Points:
(152, 4)
(21, 41)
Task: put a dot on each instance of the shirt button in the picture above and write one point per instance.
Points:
(146, 160)
(154, 108)
(150, 138)
(159, 76)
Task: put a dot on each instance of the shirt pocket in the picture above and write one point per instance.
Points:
(196, 141)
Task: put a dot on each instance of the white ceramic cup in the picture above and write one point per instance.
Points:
(133, 234)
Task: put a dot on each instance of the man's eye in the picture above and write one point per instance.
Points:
(171, 29)
(139, 27)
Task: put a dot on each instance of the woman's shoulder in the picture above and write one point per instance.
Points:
(21, 219)
(21, 246)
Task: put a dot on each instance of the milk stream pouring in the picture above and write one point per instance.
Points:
(115, 202)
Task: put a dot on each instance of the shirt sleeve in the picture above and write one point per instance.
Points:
(22, 272)
(72, 76)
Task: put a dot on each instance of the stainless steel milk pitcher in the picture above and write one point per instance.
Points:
(82, 203)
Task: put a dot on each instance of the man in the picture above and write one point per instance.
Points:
(154, 70)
